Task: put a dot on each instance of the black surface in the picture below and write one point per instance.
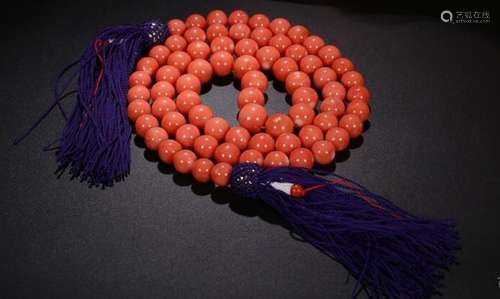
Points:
(432, 147)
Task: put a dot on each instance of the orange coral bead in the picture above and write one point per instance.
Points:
(295, 80)
(258, 20)
(227, 152)
(221, 173)
(144, 123)
(287, 142)
(261, 35)
(276, 159)
(139, 78)
(138, 92)
(313, 43)
(198, 49)
(238, 136)
(243, 64)
(147, 64)
(302, 157)
(296, 52)
(309, 134)
(301, 114)
(246, 46)
(255, 79)
(186, 134)
(306, 95)
(176, 43)
(154, 136)
(188, 82)
(280, 42)
(328, 54)
(167, 149)
(137, 108)
(352, 78)
(217, 17)
(176, 27)
(358, 92)
(239, 31)
(252, 156)
(237, 16)
(160, 53)
(162, 89)
(323, 151)
(167, 73)
(359, 108)
(352, 124)
(216, 127)
(222, 43)
(201, 170)
(261, 142)
(196, 20)
(342, 65)
(278, 124)
(323, 75)
(222, 63)
(339, 137)
(216, 30)
(171, 121)
(184, 160)
(204, 146)
(266, 56)
(251, 95)
(284, 66)
(333, 104)
(199, 114)
(334, 89)
(298, 33)
(161, 106)
(179, 60)
(325, 120)
(279, 26)
(310, 63)
(201, 69)
(297, 191)
(187, 100)
(252, 117)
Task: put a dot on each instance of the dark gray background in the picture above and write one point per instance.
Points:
(432, 147)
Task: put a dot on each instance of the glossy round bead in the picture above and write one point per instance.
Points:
(310, 63)
(217, 17)
(254, 79)
(243, 64)
(279, 26)
(154, 136)
(333, 89)
(162, 89)
(216, 127)
(239, 31)
(258, 20)
(359, 108)
(161, 106)
(334, 105)
(313, 43)
(278, 124)
(221, 173)
(201, 170)
(298, 33)
(342, 65)
(167, 149)
(251, 95)
(160, 53)
(168, 73)
(137, 108)
(199, 114)
(216, 30)
(179, 60)
(297, 191)
(323, 151)
(222, 63)
(204, 146)
(184, 160)
(138, 92)
(201, 69)
(280, 42)
(301, 114)
(352, 78)
(328, 54)
(188, 82)
(198, 49)
(302, 157)
(172, 121)
(284, 66)
(187, 100)
(252, 117)
(276, 159)
(227, 152)
(339, 137)
(237, 16)
(176, 27)
(358, 92)
(306, 95)
(295, 80)
(222, 43)
(325, 120)
(144, 123)
(261, 142)
(261, 35)
(309, 134)
(186, 134)
(139, 78)
(195, 34)
(323, 75)
(196, 20)
(296, 52)
(252, 156)
(287, 142)
(147, 64)
(352, 124)
(266, 56)
(246, 46)
(176, 43)
(238, 136)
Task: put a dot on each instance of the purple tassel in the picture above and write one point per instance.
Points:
(391, 253)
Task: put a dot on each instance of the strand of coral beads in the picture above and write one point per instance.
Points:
(187, 133)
